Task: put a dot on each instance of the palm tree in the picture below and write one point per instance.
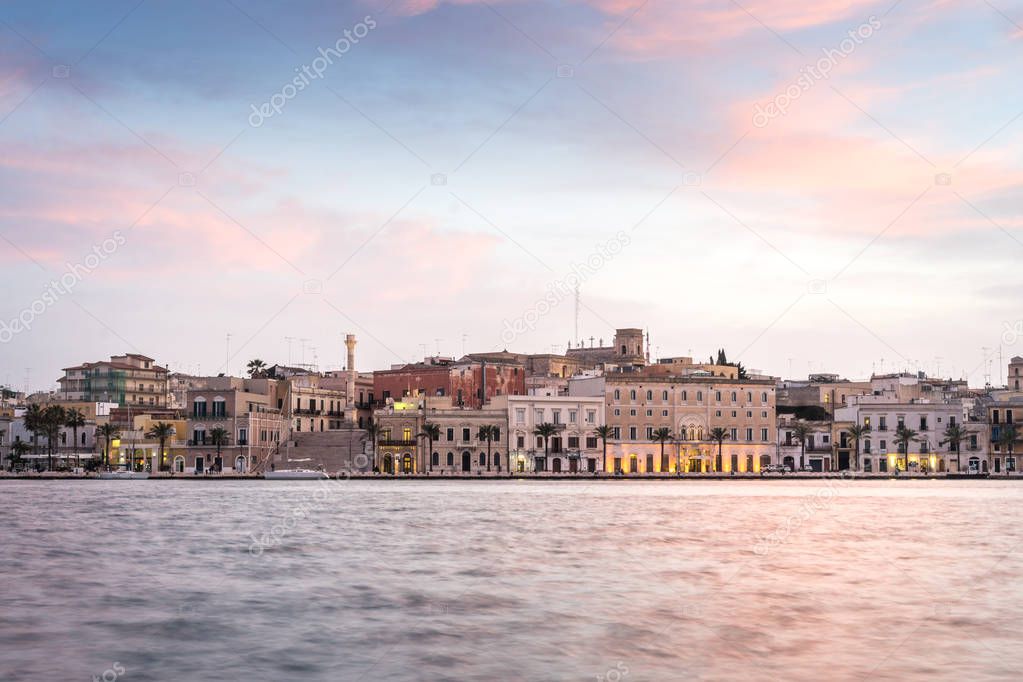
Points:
(74, 420)
(373, 431)
(904, 436)
(603, 433)
(34, 422)
(545, 431)
(18, 448)
(53, 420)
(2, 435)
(161, 431)
(1007, 437)
(718, 435)
(955, 434)
(857, 432)
(107, 432)
(430, 432)
(801, 432)
(257, 368)
(486, 433)
(218, 437)
(662, 436)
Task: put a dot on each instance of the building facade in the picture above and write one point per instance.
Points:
(129, 379)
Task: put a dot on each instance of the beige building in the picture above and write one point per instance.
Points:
(640, 402)
(246, 409)
(574, 447)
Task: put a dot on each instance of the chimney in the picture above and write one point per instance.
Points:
(350, 384)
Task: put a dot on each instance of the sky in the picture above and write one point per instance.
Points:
(833, 186)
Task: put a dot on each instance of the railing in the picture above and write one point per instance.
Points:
(396, 442)
(307, 411)
(208, 442)
(210, 416)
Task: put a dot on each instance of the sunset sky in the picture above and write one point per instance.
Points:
(454, 164)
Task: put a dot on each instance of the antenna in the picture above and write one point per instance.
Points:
(987, 366)
(577, 298)
(289, 339)
(227, 357)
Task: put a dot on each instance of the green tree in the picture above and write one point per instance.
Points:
(904, 436)
(431, 432)
(257, 368)
(486, 433)
(74, 420)
(604, 432)
(718, 435)
(161, 431)
(545, 431)
(662, 436)
(219, 438)
(53, 420)
(857, 432)
(107, 432)
(373, 431)
(954, 435)
(18, 449)
(801, 432)
(1007, 438)
(34, 423)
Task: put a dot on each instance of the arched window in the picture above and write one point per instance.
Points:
(649, 395)
(451, 459)
(219, 407)
(497, 459)
(483, 459)
(436, 458)
(632, 394)
(618, 394)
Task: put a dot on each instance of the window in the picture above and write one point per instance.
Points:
(632, 433)
(632, 412)
(763, 435)
(616, 432)
(591, 416)
(734, 433)
(684, 396)
(557, 416)
(733, 396)
(451, 434)
(572, 416)
(749, 435)
(763, 415)
(406, 434)
(717, 413)
(538, 415)
(664, 396)
(573, 442)
(649, 433)
(699, 396)
(436, 458)
(495, 434)
(632, 394)
(763, 398)
(618, 412)
(649, 413)
(465, 435)
(664, 413)
(649, 395)
(717, 396)
(451, 459)
(520, 415)
(618, 394)
(591, 442)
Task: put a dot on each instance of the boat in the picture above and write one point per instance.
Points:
(123, 474)
(294, 475)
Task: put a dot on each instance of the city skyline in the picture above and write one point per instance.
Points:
(447, 164)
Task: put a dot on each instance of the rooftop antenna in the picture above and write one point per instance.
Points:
(227, 357)
(577, 297)
(303, 342)
(438, 346)
(289, 339)
(987, 366)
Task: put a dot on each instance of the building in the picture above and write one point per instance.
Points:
(469, 382)
(459, 448)
(928, 451)
(814, 451)
(639, 401)
(129, 379)
(252, 426)
(573, 448)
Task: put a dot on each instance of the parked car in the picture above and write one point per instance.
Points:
(774, 469)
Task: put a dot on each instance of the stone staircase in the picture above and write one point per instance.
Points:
(332, 451)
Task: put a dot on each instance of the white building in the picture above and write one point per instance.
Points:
(575, 446)
(880, 451)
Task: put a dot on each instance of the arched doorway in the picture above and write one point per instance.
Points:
(239, 464)
(556, 465)
(633, 464)
(466, 461)
(179, 464)
(497, 461)
(388, 464)
(406, 463)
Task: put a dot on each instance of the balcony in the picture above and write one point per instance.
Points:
(396, 442)
(306, 411)
(218, 416)
(208, 443)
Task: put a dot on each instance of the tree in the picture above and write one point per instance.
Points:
(904, 436)
(257, 368)
(802, 432)
(954, 435)
(486, 433)
(18, 449)
(430, 432)
(34, 422)
(1007, 437)
(161, 431)
(662, 436)
(74, 420)
(218, 437)
(857, 432)
(54, 417)
(545, 431)
(718, 435)
(604, 432)
(107, 432)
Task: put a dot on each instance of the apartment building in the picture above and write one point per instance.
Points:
(129, 379)
(573, 448)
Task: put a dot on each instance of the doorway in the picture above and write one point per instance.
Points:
(466, 461)
(556, 465)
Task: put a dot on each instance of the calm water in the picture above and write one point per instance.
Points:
(619, 581)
